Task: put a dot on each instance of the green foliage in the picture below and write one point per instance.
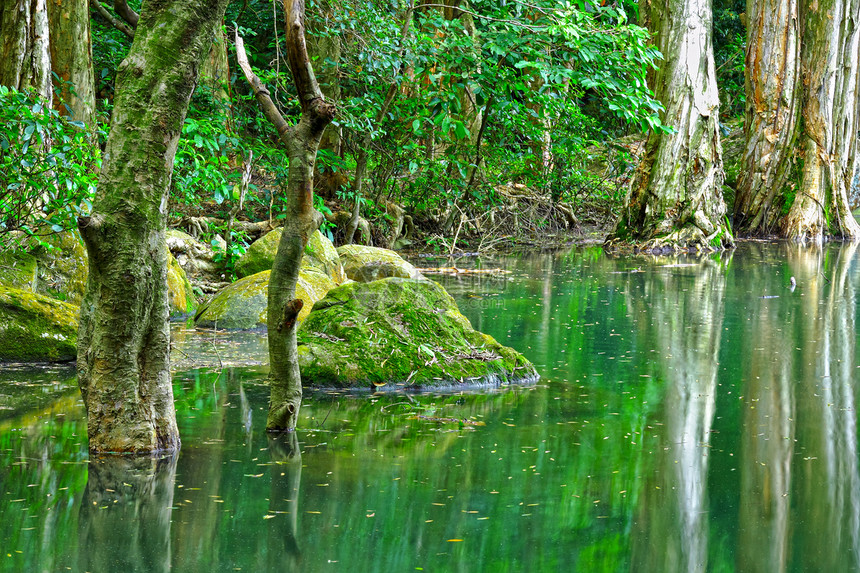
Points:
(482, 74)
(202, 166)
(729, 54)
(238, 247)
(48, 167)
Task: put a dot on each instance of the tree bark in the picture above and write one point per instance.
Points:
(72, 58)
(215, 71)
(801, 127)
(675, 198)
(772, 114)
(830, 64)
(25, 62)
(123, 338)
(324, 48)
(302, 143)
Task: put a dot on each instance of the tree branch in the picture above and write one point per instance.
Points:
(119, 25)
(126, 13)
(285, 132)
(297, 56)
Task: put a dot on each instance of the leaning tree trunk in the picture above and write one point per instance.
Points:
(25, 62)
(72, 58)
(830, 64)
(302, 143)
(772, 115)
(675, 198)
(124, 339)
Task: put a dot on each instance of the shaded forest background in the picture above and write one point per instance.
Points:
(490, 122)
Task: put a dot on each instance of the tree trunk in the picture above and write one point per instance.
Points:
(827, 143)
(325, 49)
(771, 116)
(72, 58)
(24, 53)
(215, 71)
(675, 198)
(302, 142)
(123, 338)
(801, 119)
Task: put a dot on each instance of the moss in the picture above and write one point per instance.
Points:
(260, 255)
(179, 292)
(240, 306)
(396, 333)
(18, 270)
(244, 304)
(36, 328)
(321, 254)
(365, 264)
(63, 267)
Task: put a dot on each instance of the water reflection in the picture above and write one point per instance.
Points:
(694, 415)
(768, 441)
(125, 515)
(826, 456)
(685, 300)
(286, 474)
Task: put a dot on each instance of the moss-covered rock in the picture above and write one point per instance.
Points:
(19, 269)
(179, 292)
(55, 265)
(365, 264)
(63, 267)
(244, 304)
(36, 328)
(400, 333)
(260, 255)
(319, 254)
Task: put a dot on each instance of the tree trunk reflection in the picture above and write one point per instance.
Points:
(670, 530)
(125, 514)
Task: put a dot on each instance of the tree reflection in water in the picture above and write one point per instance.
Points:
(125, 514)
(685, 299)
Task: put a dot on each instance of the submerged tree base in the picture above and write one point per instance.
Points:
(689, 239)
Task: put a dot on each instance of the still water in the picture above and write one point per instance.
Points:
(694, 414)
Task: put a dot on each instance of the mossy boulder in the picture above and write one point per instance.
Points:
(399, 333)
(244, 304)
(260, 255)
(366, 264)
(55, 265)
(195, 257)
(319, 254)
(19, 269)
(36, 328)
(179, 292)
(62, 267)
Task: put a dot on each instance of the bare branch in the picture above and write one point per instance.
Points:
(285, 132)
(297, 55)
(126, 13)
(112, 20)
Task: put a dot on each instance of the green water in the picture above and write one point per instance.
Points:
(693, 415)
